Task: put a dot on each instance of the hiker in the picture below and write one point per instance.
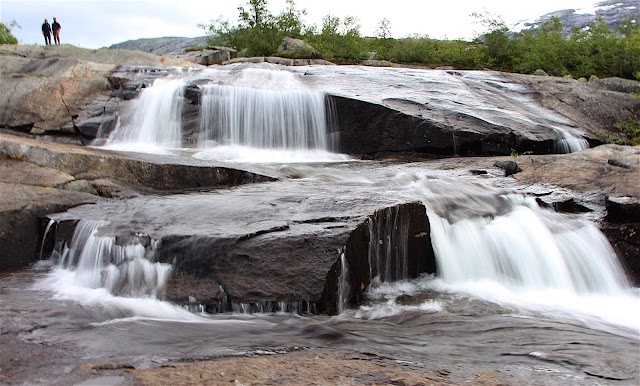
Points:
(55, 27)
(46, 31)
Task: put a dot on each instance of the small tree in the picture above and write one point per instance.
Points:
(6, 36)
(384, 29)
(290, 20)
(495, 40)
(257, 16)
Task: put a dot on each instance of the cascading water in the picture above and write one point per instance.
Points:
(500, 246)
(267, 119)
(247, 114)
(529, 250)
(122, 270)
(388, 246)
(482, 234)
(155, 119)
(343, 284)
(570, 144)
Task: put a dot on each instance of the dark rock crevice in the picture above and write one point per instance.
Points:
(392, 244)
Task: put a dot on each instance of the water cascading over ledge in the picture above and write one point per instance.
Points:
(96, 261)
(267, 119)
(392, 244)
(155, 118)
(251, 107)
(527, 249)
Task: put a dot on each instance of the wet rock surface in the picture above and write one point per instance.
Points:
(381, 111)
(39, 178)
(226, 244)
(261, 245)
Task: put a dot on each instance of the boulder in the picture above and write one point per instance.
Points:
(216, 55)
(377, 63)
(509, 167)
(297, 48)
(252, 248)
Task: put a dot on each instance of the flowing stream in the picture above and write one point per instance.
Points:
(519, 288)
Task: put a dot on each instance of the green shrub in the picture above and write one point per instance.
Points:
(597, 50)
(629, 133)
(6, 36)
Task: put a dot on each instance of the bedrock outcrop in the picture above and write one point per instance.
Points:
(270, 247)
(38, 178)
(43, 89)
(79, 95)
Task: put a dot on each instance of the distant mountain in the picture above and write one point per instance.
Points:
(162, 46)
(614, 12)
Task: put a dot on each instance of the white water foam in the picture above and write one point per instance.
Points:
(155, 118)
(120, 280)
(64, 285)
(517, 254)
(245, 154)
(265, 119)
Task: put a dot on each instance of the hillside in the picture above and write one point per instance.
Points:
(613, 12)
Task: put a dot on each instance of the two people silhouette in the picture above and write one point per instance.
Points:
(48, 29)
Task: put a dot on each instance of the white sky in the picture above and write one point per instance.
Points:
(101, 23)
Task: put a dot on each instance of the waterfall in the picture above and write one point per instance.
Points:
(527, 249)
(570, 144)
(123, 270)
(283, 119)
(388, 245)
(255, 108)
(343, 283)
(155, 119)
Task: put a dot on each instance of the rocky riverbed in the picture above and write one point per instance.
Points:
(282, 232)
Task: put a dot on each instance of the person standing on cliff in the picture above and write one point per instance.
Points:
(46, 31)
(55, 27)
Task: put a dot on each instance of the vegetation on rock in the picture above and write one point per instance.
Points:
(597, 50)
(629, 133)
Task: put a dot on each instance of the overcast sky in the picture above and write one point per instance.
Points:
(101, 23)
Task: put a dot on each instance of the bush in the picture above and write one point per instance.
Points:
(596, 50)
(6, 36)
(629, 133)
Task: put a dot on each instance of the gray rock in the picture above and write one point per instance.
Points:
(626, 86)
(166, 46)
(591, 106)
(38, 178)
(296, 48)
(509, 167)
(42, 90)
(378, 63)
(243, 247)
(217, 55)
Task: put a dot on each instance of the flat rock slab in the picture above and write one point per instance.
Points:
(269, 242)
(39, 178)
